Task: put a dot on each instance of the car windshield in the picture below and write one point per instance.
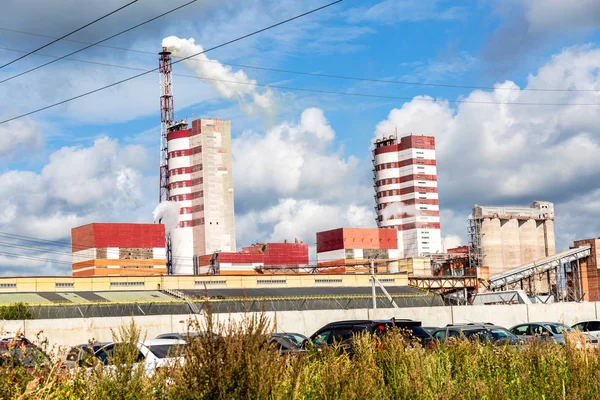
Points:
(557, 329)
(167, 350)
(490, 335)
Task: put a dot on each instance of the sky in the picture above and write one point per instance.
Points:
(508, 88)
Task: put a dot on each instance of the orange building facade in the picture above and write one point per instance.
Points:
(118, 250)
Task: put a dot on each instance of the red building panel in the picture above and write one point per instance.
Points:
(178, 134)
(330, 240)
(118, 235)
(408, 142)
(388, 239)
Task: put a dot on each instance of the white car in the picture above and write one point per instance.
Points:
(591, 328)
(153, 353)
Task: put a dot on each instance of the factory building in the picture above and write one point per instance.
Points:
(200, 180)
(258, 258)
(503, 238)
(406, 193)
(356, 246)
(118, 250)
(590, 276)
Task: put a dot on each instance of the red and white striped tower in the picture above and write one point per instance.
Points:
(406, 193)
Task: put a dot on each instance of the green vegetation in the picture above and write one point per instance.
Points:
(239, 366)
(15, 311)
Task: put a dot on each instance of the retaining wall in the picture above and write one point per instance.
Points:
(71, 331)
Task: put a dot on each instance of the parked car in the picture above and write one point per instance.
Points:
(341, 332)
(484, 332)
(80, 354)
(152, 353)
(590, 328)
(552, 331)
(283, 344)
(183, 336)
(296, 338)
(19, 351)
(431, 329)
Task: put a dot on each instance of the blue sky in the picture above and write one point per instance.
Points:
(95, 159)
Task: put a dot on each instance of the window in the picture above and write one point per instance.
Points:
(520, 330)
(420, 162)
(167, 350)
(423, 193)
(389, 165)
(63, 284)
(8, 285)
(202, 283)
(421, 167)
(439, 335)
(423, 208)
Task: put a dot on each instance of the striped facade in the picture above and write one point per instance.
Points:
(406, 192)
(118, 250)
(200, 180)
(356, 246)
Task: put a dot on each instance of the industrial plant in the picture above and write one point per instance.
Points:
(510, 249)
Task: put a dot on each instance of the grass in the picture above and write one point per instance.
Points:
(240, 366)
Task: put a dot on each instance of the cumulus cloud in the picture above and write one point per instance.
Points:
(292, 218)
(78, 185)
(509, 154)
(291, 182)
(18, 138)
(229, 84)
(294, 159)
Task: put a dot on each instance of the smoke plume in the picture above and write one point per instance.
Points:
(167, 213)
(229, 84)
(397, 210)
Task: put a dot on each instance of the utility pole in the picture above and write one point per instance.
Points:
(372, 273)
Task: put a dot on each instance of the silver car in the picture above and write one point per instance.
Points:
(552, 331)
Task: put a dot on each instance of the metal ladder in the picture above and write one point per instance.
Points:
(180, 295)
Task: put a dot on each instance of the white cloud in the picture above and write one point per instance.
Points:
(19, 138)
(392, 11)
(514, 154)
(221, 77)
(553, 15)
(290, 182)
(78, 185)
(293, 159)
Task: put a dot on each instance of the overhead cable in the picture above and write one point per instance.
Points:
(182, 59)
(70, 33)
(322, 75)
(98, 42)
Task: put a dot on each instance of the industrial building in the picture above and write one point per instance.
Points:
(259, 258)
(503, 238)
(356, 246)
(195, 172)
(200, 180)
(118, 249)
(590, 276)
(406, 193)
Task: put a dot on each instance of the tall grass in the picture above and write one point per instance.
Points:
(233, 361)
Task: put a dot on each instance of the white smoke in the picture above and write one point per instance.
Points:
(167, 213)
(397, 210)
(221, 77)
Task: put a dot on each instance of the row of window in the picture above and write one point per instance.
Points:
(390, 181)
(396, 192)
(271, 282)
(127, 284)
(208, 283)
(64, 284)
(178, 153)
(181, 171)
(397, 165)
(328, 281)
(7, 285)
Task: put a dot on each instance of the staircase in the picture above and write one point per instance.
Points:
(180, 295)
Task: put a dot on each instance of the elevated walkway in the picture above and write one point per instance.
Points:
(537, 267)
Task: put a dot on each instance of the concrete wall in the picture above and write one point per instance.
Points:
(68, 332)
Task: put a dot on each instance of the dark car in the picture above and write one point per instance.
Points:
(21, 352)
(482, 332)
(283, 344)
(342, 332)
(296, 338)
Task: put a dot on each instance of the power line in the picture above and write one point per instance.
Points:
(35, 258)
(182, 59)
(70, 33)
(320, 91)
(98, 42)
(315, 74)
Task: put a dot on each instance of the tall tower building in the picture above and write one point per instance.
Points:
(406, 193)
(200, 180)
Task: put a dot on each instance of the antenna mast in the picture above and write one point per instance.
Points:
(165, 67)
